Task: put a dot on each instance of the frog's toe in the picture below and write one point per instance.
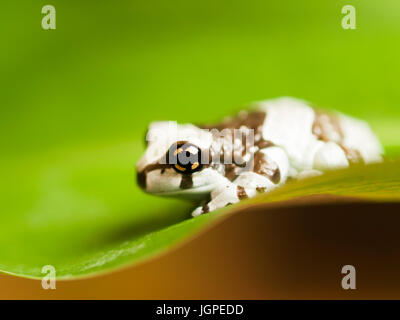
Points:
(198, 211)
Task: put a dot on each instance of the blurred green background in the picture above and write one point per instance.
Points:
(76, 101)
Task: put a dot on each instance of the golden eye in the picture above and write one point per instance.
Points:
(178, 167)
(184, 157)
(195, 165)
(179, 150)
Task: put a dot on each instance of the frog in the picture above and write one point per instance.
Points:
(255, 151)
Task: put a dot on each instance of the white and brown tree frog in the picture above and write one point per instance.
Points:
(255, 151)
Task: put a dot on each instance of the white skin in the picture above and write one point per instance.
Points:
(297, 151)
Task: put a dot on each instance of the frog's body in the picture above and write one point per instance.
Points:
(289, 140)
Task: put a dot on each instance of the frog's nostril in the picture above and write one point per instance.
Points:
(141, 179)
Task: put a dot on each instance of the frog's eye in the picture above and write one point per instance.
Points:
(184, 157)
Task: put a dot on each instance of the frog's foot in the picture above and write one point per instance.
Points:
(308, 174)
(250, 183)
(224, 196)
(198, 211)
(247, 185)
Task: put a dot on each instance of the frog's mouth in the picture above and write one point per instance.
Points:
(183, 187)
(192, 193)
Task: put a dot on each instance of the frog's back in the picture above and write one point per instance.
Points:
(314, 139)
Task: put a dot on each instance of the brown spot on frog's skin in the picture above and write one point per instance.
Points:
(186, 182)
(141, 176)
(245, 122)
(266, 168)
(352, 155)
(205, 208)
(260, 189)
(241, 193)
(252, 120)
(230, 172)
(325, 122)
(263, 144)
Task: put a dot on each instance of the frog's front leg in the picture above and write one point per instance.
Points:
(270, 169)
(221, 197)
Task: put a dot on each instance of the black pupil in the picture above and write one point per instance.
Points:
(184, 158)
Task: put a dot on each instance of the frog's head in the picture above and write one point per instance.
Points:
(176, 161)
